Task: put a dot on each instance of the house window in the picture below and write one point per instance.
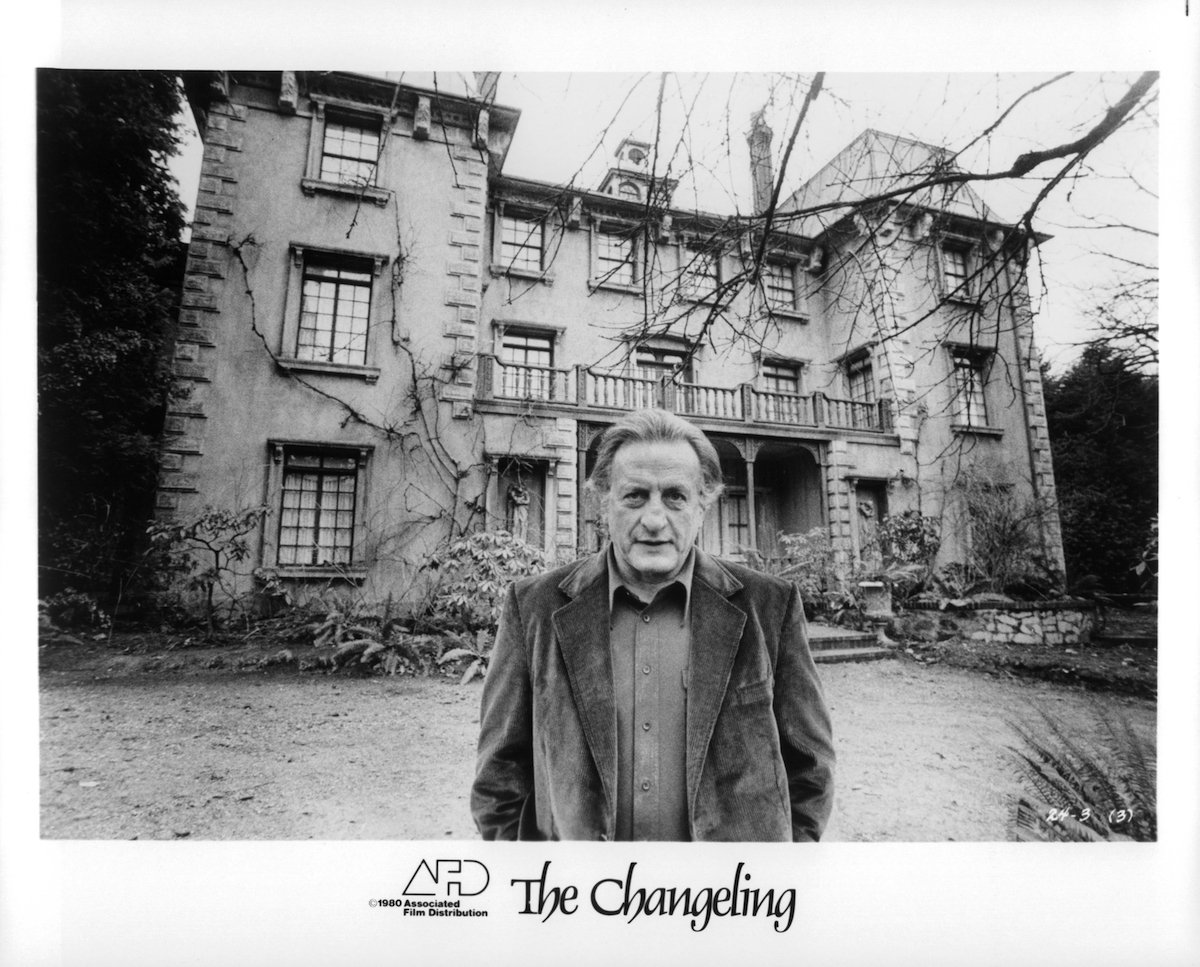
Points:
(779, 285)
(335, 309)
(316, 517)
(656, 364)
(350, 150)
(526, 360)
(521, 242)
(701, 274)
(970, 408)
(651, 367)
(615, 258)
(735, 509)
(779, 402)
(956, 272)
(781, 378)
(629, 190)
(860, 380)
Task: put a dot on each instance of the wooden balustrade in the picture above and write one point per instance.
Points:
(621, 392)
(585, 387)
(517, 382)
(714, 402)
(790, 408)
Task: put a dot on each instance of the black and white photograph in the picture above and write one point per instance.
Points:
(603, 459)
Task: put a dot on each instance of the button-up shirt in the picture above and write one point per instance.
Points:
(650, 642)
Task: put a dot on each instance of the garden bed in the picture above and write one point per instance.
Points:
(1126, 669)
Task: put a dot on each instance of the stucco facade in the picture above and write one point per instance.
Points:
(387, 340)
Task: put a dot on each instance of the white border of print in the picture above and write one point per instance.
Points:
(93, 903)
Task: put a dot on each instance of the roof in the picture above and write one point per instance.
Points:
(876, 163)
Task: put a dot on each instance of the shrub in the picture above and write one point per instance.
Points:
(1084, 791)
(71, 609)
(805, 559)
(909, 538)
(203, 549)
(1005, 529)
(473, 574)
(360, 641)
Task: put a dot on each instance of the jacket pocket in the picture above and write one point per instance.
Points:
(754, 692)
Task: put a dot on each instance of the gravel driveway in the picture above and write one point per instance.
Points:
(284, 755)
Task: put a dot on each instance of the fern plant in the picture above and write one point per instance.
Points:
(1103, 790)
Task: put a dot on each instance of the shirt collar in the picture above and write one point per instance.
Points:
(683, 579)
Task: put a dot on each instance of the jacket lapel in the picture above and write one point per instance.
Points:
(581, 628)
(716, 629)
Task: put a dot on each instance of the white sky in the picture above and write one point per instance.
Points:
(571, 124)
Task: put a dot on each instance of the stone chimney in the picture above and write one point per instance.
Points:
(762, 172)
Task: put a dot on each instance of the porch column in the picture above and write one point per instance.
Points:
(749, 453)
(580, 467)
(550, 509)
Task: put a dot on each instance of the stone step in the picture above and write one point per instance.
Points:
(862, 639)
(831, 655)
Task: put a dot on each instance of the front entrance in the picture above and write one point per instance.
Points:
(786, 500)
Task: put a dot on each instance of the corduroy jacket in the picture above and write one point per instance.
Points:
(759, 744)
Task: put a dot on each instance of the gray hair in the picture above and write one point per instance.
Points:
(656, 426)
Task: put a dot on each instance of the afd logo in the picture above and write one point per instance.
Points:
(448, 878)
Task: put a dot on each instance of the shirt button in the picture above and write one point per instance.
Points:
(645, 726)
(646, 618)
(645, 785)
(645, 669)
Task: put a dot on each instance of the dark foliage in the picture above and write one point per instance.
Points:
(109, 271)
(1103, 420)
(1103, 789)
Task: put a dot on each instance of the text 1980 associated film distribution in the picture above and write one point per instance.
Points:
(454, 888)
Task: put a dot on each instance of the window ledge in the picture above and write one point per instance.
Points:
(546, 276)
(312, 185)
(966, 428)
(966, 302)
(628, 289)
(795, 315)
(321, 572)
(369, 374)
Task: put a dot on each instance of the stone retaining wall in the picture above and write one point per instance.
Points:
(1055, 625)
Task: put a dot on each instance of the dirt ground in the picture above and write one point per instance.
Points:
(165, 746)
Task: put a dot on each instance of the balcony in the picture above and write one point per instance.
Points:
(582, 388)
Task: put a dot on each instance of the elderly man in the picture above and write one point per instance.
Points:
(652, 692)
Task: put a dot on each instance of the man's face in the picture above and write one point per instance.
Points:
(654, 509)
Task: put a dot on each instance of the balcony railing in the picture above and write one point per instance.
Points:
(785, 408)
(620, 392)
(581, 386)
(713, 402)
(510, 381)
